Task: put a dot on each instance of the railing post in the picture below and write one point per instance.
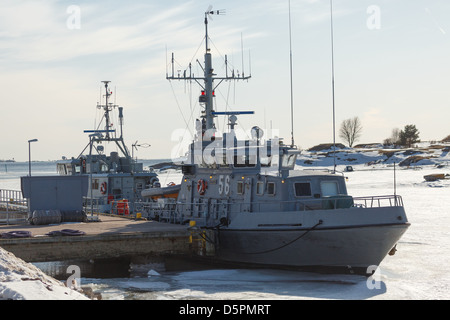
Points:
(7, 213)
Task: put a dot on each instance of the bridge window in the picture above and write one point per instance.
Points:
(302, 189)
(271, 188)
(61, 168)
(329, 188)
(240, 187)
(288, 161)
(260, 188)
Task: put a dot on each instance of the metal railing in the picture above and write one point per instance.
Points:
(14, 198)
(13, 207)
(378, 201)
(91, 205)
(10, 214)
(172, 211)
(119, 205)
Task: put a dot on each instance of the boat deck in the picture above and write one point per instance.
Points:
(110, 237)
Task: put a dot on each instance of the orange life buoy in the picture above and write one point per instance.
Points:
(103, 188)
(201, 186)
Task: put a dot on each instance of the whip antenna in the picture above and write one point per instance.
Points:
(332, 88)
(290, 67)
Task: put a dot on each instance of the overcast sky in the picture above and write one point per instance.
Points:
(391, 69)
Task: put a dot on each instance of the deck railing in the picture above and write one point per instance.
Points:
(379, 201)
(171, 210)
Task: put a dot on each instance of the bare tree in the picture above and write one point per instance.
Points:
(350, 130)
(395, 136)
(394, 139)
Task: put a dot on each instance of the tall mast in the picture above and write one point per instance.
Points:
(106, 108)
(207, 81)
(98, 134)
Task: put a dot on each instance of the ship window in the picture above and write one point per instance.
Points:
(62, 169)
(244, 161)
(260, 188)
(95, 184)
(288, 160)
(271, 188)
(265, 161)
(240, 187)
(302, 189)
(329, 188)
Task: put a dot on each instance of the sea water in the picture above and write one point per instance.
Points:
(418, 270)
(10, 172)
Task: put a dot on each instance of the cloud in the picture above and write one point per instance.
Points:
(38, 32)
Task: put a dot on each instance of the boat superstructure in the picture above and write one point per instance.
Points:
(116, 179)
(260, 210)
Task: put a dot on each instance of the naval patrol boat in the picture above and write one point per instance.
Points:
(259, 209)
(116, 179)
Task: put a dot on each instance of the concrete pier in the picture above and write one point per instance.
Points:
(111, 237)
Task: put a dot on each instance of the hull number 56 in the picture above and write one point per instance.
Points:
(224, 185)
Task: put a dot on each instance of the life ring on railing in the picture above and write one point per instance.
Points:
(201, 186)
(103, 188)
(171, 184)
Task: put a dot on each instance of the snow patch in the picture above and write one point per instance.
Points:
(23, 281)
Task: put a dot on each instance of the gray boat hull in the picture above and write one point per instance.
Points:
(353, 247)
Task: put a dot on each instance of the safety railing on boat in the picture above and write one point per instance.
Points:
(378, 201)
(171, 210)
(91, 206)
(105, 204)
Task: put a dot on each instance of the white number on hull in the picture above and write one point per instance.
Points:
(224, 185)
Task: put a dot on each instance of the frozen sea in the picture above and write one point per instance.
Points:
(418, 270)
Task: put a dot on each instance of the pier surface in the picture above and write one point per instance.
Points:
(111, 237)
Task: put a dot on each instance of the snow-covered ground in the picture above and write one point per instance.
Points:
(424, 154)
(23, 281)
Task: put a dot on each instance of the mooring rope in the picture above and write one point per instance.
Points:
(286, 244)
